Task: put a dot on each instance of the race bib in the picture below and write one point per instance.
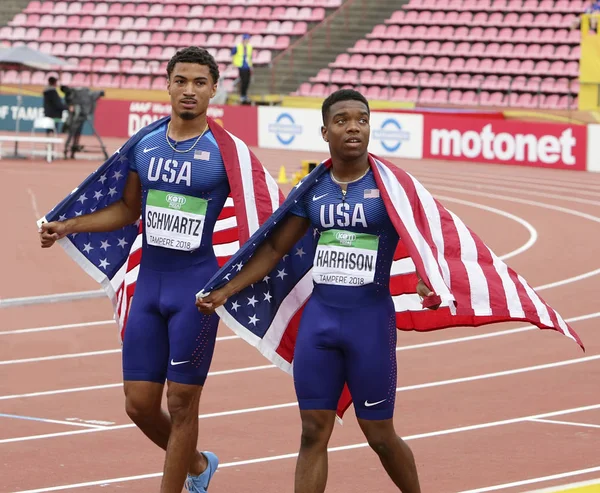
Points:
(345, 259)
(174, 220)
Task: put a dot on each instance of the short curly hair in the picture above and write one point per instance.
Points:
(194, 54)
(342, 95)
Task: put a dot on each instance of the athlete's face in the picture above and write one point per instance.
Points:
(191, 87)
(347, 129)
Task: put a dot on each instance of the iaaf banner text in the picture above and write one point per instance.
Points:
(546, 145)
(117, 118)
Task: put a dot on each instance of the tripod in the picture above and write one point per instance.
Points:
(74, 127)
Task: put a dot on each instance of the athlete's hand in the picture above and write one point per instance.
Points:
(424, 292)
(212, 301)
(50, 232)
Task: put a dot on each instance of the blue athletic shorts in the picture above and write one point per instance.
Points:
(356, 345)
(166, 337)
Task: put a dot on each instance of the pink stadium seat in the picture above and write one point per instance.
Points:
(526, 67)
(455, 47)
(493, 50)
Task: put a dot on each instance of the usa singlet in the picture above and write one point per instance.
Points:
(184, 188)
(348, 330)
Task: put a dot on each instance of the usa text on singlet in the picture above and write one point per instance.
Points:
(174, 220)
(344, 258)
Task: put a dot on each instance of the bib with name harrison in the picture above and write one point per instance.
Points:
(344, 258)
(174, 220)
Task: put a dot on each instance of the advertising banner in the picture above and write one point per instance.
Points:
(547, 145)
(392, 134)
(118, 118)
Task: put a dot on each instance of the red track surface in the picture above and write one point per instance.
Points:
(470, 428)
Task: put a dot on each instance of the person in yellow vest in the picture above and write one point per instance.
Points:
(242, 59)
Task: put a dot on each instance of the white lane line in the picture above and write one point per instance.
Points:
(525, 482)
(292, 404)
(526, 328)
(51, 298)
(504, 373)
(59, 356)
(56, 327)
(82, 325)
(399, 348)
(478, 185)
(585, 181)
(61, 391)
(83, 355)
(534, 203)
(55, 421)
(533, 234)
(115, 385)
(519, 185)
(258, 460)
(568, 487)
(34, 204)
(566, 423)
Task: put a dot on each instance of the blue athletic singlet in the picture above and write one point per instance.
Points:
(183, 194)
(348, 330)
(177, 188)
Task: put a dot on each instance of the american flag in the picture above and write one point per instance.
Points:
(474, 286)
(113, 259)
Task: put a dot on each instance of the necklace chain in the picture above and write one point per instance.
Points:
(193, 145)
(339, 182)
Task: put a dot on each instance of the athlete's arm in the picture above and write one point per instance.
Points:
(125, 211)
(264, 260)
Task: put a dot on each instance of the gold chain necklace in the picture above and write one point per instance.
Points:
(194, 145)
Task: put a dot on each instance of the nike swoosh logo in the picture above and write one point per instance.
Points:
(370, 404)
(151, 149)
(315, 198)
(175, 363)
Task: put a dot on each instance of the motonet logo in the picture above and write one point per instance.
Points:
(504, 146)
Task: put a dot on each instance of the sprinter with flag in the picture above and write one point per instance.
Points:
(322, 286)
(201, 193)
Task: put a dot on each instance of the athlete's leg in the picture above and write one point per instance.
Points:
(145, 359)
(191, 346)
(370, 347)
(395, 455)
(312, 464)
(318, 380)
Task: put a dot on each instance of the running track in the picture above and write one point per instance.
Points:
(499, 408)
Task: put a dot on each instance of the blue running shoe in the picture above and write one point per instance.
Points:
(199, 484)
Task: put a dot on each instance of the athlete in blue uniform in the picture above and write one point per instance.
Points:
(348, 331)
(178, 182)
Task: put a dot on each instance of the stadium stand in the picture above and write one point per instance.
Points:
(468, 52)
(521, 53)
(127, 44)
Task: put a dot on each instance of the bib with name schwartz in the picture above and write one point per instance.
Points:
(174, 220)
(345, 258)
